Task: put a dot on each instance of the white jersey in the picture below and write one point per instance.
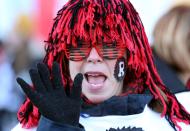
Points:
(148, 120)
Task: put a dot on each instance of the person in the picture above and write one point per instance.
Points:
(98, 74)
(171, 49)
(9, 98)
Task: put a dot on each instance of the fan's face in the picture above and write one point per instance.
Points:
(99, 82)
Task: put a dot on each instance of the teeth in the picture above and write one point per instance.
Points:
(93, 74)
(95, 79)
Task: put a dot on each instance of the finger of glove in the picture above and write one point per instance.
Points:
(76, 90)
(57, 79)
(45, 75)
(35, 77)
(31, 94)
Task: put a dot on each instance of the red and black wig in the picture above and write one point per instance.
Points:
(107, 20)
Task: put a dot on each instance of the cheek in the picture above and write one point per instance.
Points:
(74, 68)
(111, 66)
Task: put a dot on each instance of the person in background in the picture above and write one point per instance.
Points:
(9, 99)
(97, 69)
(171, 47)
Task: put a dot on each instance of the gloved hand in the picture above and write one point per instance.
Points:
(50, 97)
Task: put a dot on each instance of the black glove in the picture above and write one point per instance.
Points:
(50, 97)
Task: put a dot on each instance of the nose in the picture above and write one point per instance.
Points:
(93, 56)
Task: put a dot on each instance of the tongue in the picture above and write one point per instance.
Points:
(96, 79)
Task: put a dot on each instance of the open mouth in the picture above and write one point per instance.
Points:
(95, 78)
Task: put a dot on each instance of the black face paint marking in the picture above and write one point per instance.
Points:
(120, 69)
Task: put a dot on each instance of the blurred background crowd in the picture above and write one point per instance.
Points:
(25, 24)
